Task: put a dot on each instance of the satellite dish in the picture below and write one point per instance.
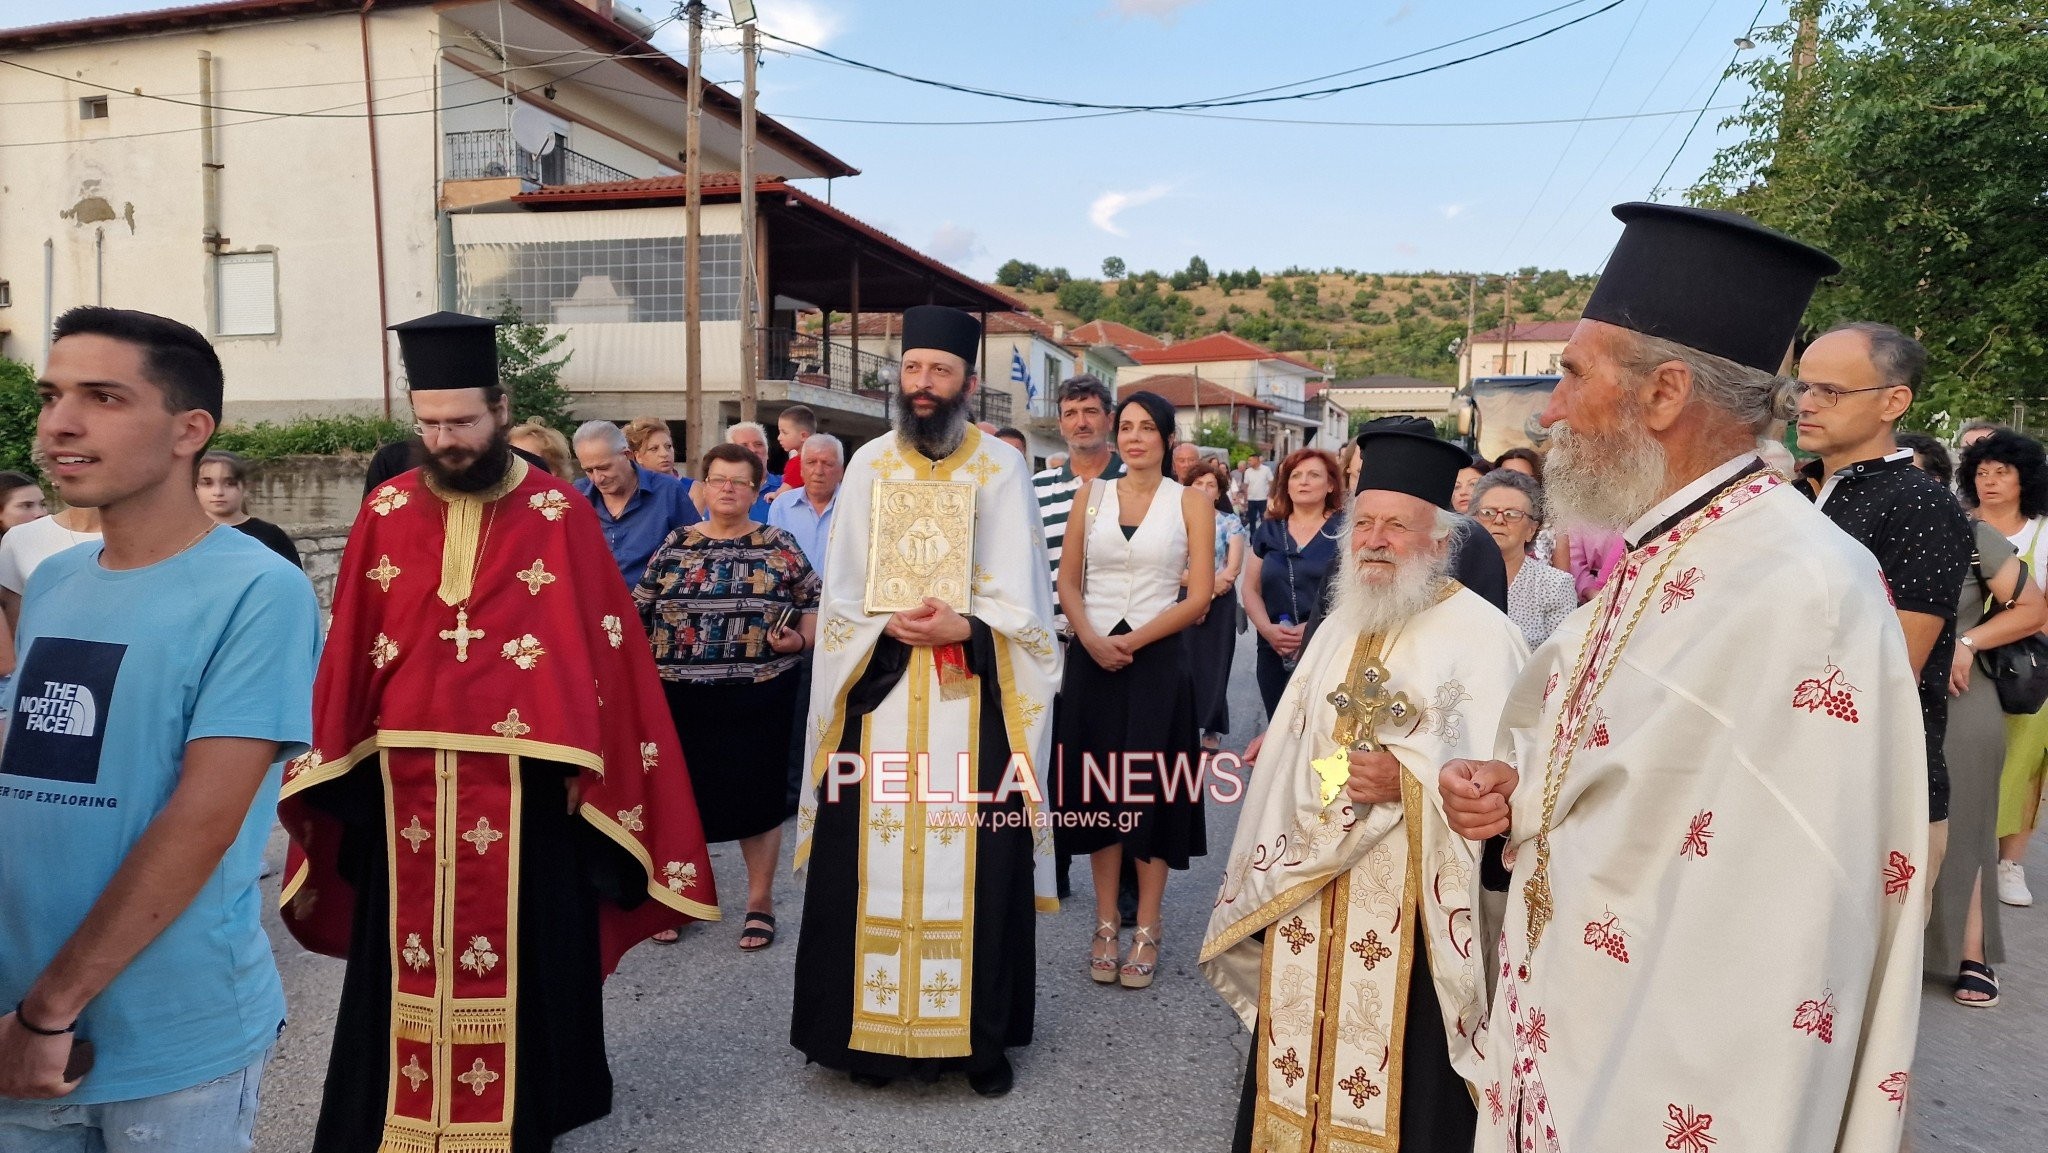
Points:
(532, 129)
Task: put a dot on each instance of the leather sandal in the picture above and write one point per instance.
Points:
(1976, 977)
(1102, 968)
(1137, 974)
(754, 938)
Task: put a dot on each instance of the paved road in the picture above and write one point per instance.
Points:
(699, 1044)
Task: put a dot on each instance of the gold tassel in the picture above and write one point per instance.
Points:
(477, 1143)
(399, 1141)
(412, 1022)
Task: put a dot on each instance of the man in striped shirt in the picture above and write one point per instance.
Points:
(1085, 407)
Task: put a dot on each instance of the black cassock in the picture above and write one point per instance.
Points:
(1004, 940)
(1437, 1111)
(565, 868)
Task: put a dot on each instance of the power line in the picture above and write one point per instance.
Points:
(1687, 138)
(1193, 105)
(1260, 120)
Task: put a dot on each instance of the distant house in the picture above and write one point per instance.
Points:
(1393, 396)
(1276, 380)
(1105, 348)
(1530, 350)
(1332, 412)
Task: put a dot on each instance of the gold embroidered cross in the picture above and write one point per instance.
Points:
(383, 573)
(940, 991)
(536, 577)
(881, 986)
(413, 1073)
(1363, 705)
(512, 728)
(414, 834)
(478, 1078)
(462, 634)
(981, 469)
(483, 836)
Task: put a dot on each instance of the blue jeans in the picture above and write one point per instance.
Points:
(217, 1117)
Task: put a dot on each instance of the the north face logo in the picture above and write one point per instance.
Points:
(64, 699)
(65, 709)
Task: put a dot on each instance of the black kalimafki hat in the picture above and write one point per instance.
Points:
(946, 329)
(1404, 454)
(1714, 281)
(448, 350)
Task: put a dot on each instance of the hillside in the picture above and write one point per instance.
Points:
(1363, 322)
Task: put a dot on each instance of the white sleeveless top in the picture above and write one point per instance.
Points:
(1137, 579)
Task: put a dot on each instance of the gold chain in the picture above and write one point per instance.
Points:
(1536, 895)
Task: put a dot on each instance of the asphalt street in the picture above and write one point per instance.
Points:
(699, 1041)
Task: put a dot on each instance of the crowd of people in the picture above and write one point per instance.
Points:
(1500, 697)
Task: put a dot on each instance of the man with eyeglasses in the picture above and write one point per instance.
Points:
(1854, 385)
(495, 807)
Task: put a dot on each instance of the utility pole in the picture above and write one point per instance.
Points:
(1471, 315)
(693, 241)
(1507, 322)
(750, 344)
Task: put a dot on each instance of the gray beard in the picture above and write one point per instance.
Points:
(1605, 481)
(1361, 608)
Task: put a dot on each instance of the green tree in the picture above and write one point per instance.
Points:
(530, 372)
(1198, 271)
(1113, 268)
(1017, 274)
(18, 408)
(1083, 298)
(1913, 152)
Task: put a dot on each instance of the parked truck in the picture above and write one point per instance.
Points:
(1497, 413)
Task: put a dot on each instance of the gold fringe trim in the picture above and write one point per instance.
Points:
(413, 1022)
(398, 1140)
(478, 1143)
(470, 1025)
(913, 1041)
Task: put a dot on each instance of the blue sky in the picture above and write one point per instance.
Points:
(1157, 188)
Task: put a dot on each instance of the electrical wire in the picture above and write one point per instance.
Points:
(1262, 120)
(1657, 188)
(1191, 105)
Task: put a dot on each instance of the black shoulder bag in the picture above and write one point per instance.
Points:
(2019, 669)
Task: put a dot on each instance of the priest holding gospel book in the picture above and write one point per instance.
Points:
(1712, 777)
(922, 821)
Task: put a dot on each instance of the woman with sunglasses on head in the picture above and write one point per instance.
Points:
(1510, 504)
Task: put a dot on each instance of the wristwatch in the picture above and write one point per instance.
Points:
(1965, 641)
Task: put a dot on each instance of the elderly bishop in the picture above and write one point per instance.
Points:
(495, 807)
(1345, 933)
(923, 821)
(1711, 777)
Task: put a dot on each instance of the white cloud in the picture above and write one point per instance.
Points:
(1104, 211)
(953, 244)
(1161, 10)
(1452, 211)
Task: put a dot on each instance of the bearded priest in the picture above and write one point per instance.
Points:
(495, 806)
(1344, 933)
(923, 824)
(1711, 777)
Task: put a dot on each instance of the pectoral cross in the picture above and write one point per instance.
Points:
(462, 634)
(1363, 704)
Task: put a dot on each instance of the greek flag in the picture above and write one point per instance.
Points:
(1022, 375)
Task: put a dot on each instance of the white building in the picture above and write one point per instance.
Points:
(214, 164)
(1279, 382)
(1393, 396)
(1009, 339)
(1531, 349)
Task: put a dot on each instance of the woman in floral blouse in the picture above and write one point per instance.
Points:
(730, 606)
(1510, 504)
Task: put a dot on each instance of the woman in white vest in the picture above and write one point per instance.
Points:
(1130, 766)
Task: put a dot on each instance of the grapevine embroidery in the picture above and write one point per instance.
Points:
(1817, 1018)
(1697, 836)
(1898, 874)
(1831, 692)
(1596, 733)
(1608, 937)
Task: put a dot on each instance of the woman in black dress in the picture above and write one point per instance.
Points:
(224, 494)
(1127, 544)
(1212, 642)
(730, 606)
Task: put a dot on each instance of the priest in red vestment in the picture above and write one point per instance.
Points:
(495, 807)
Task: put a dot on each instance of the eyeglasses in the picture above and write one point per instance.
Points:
(1827, 395)
(1387, 525)
(423, 427)
(1503, 515)
(726, 484)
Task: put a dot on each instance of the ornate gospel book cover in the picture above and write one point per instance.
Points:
(922, 545)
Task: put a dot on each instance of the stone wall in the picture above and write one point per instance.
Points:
(320, 548)
(308, 490)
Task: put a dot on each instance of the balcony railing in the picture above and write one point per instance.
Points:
(993, 406)
(493, 153)
(1287, 404)
(807, 358)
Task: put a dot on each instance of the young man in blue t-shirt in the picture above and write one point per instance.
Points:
(165, 673)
